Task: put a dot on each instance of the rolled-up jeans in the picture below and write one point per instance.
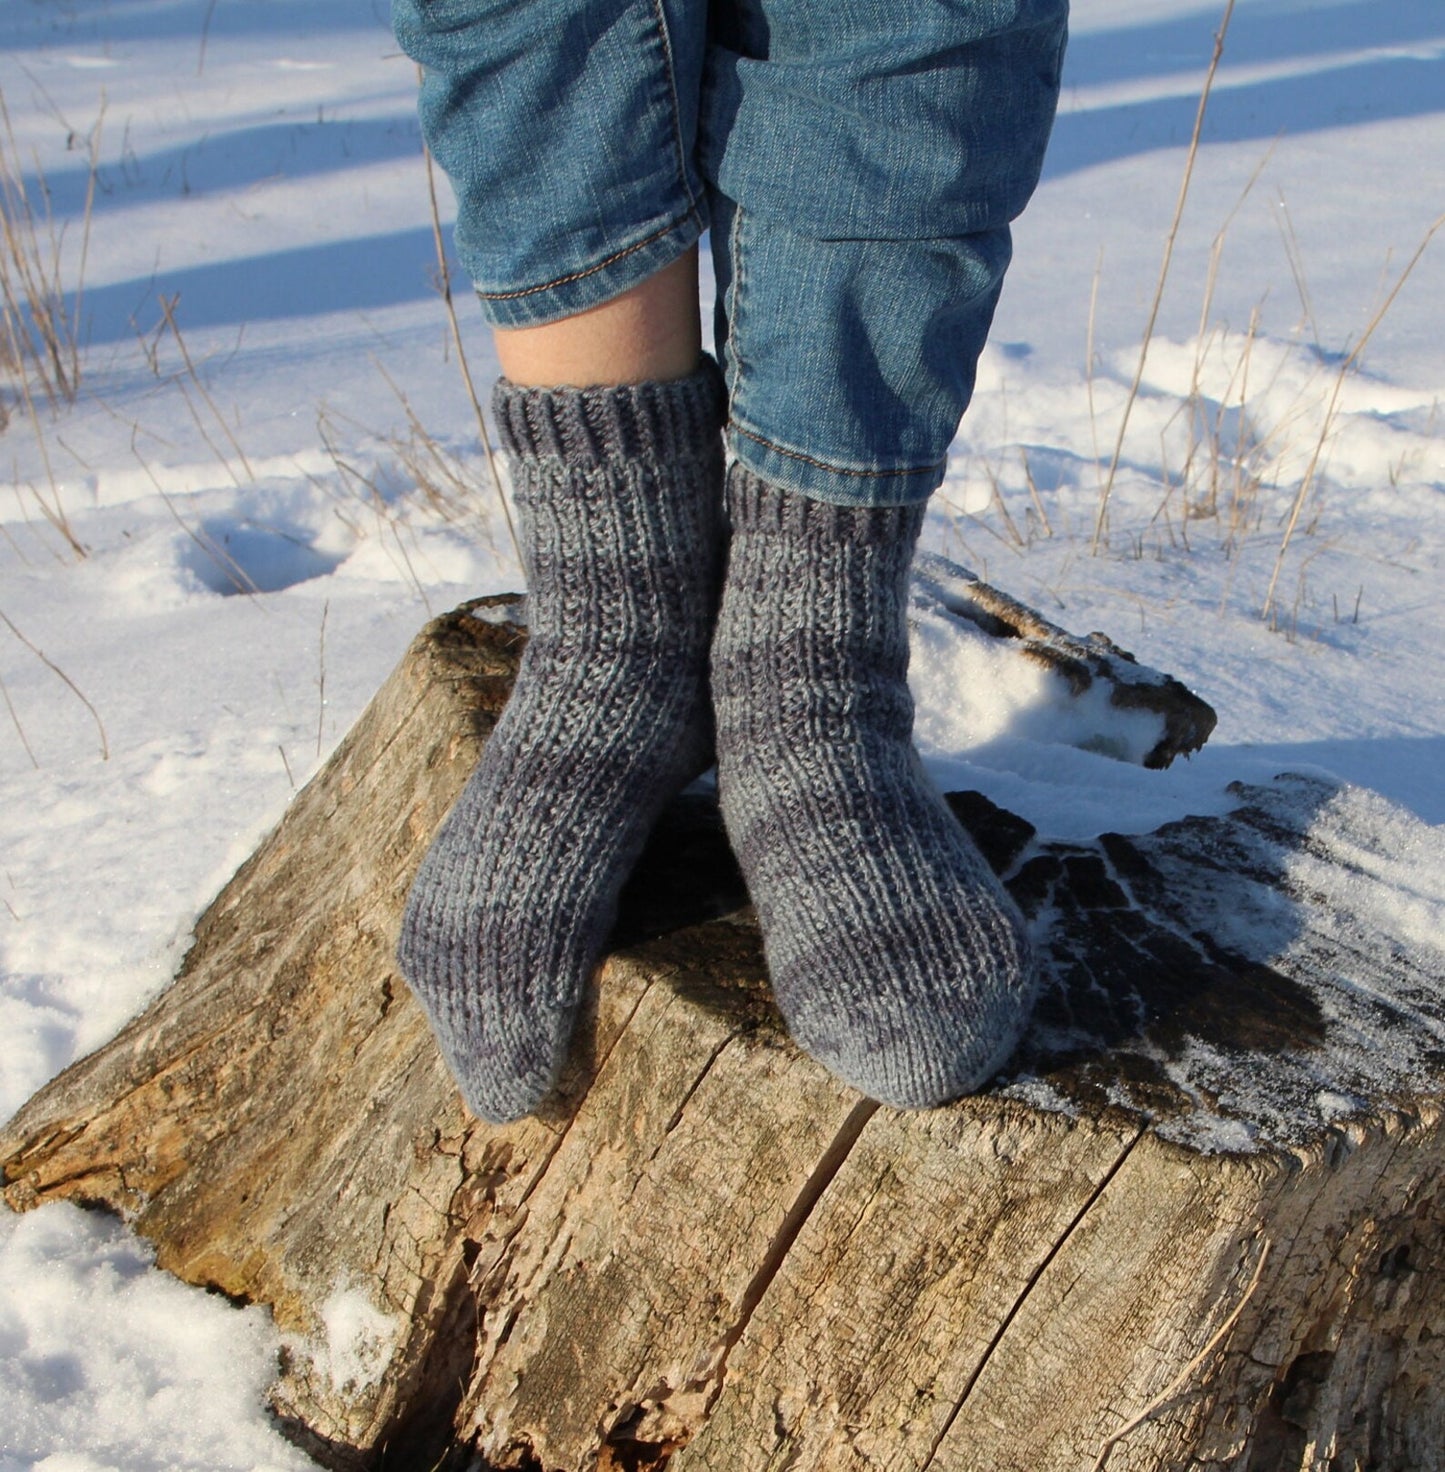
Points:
(858, 163)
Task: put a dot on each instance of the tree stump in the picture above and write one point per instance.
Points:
(1197, 1222)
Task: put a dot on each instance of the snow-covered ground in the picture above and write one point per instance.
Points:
(213, 557)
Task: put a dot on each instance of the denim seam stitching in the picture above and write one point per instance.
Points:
(671, 68)
(767, 444)
(502, 296)
(733, 310)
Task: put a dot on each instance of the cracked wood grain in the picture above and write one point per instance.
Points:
(1162, 1255)
(645, 1244)
(895, 1290)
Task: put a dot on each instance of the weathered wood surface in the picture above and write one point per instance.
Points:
(1208, 1189)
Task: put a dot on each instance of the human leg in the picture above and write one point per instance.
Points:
(857, 294)
(584, 263)
(651, 333)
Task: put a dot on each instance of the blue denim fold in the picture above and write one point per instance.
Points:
(858, 161)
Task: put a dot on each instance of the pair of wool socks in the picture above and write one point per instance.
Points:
(896, 957)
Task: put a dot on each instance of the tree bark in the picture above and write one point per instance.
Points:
(1197, 1222)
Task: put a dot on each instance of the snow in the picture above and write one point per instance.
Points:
(1355, 914)
(360, 1339)
(110, 1364)
(973, 689)
(257, 552)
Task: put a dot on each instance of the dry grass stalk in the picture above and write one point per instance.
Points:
(1034, 496)
(371, 494)
(205, 36)
(321, 678)
(1181, 1381)
(1184, 183)
(1203, 340)
(443, 479)
(60, 673)
(39, 328)
(240, 579)
(1327, 424)
(444, 283)
(56, 516)
(237, 575)
(1295, 257)
(168, 309)
(1016, 537)
(1244, 475)
(19, 729)
(1091, 364)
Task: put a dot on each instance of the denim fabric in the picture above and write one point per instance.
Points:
(859, 162)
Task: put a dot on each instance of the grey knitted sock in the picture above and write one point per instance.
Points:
(619, 499)
(896, 956)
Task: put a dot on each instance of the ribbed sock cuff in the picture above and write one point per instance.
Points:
(663, 422)
(757, 507)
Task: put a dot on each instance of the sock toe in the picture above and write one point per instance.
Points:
(507, 1068)
(917, 1051)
